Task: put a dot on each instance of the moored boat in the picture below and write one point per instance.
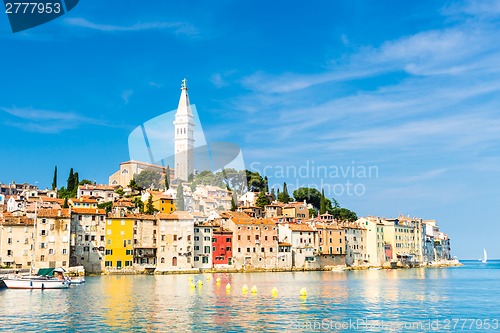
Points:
(35, 282)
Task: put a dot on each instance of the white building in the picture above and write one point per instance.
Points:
(184, 136)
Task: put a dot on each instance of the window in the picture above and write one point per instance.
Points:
(44, 221)
(270, 249)
(196, 248)
(189, 238)
(239, 249)
(228, 248)
(196, 258)
(206, 249)
(228, 240)
(248, 249)
(109, 252)
(42, 245)
(42, 258)
(175, 238)
(262, 249)
(207, 238)
(196, 238)
(214, 240)
(9, 240)
(239, 237)
(44, 233)
(248, 237)
(196, 230)
(207, 230)
(204, 260)
(64, 251)
(9, 252)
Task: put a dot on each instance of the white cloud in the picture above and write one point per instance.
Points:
(179, 28)
(126, 95)
(45, 121)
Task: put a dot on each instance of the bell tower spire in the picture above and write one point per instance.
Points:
(184, 136)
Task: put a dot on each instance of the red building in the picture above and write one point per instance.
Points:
(222, 244)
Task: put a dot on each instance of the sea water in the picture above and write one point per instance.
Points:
(455, 299)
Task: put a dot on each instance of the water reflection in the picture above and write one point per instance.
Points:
(169, 303)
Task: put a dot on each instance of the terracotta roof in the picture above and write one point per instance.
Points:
(54, 213)
(284, 244)
(17, 220)
(49, 199)
(178, 215)
(97, 187)
(242, 218)
(300, 227)
(89, 211)
(84, 199)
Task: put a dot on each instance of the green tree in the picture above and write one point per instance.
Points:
(284, 196)
(312, 212)
(138, 204)
(311, 195)
(65, 205)
(133, 186)
(54, 180)
(148, 179)
(262, 199)
(150, 208)
(255, 181)
(71, 181)
(180, 198)
(86, 182)
(120, 191)
(233, 204)
(108, 206)
(167, 179)
(344, 215)
(322, 206)
(266, 184)
(273, 196)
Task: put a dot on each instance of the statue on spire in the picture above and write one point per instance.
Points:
(184, 84)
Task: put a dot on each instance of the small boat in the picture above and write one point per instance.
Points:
(76, 280)
(375, 268)
(339, 269)
(485, 257)
(35, 282)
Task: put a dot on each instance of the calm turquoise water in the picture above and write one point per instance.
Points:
(385, 300)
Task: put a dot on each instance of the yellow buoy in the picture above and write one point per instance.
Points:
(244, 288)
(190, 279)
(208, 277)
(217, 281)
(200, 282)
(228, 286)
(274, 292)
(254, 290)
(303, 292)
(192, 285)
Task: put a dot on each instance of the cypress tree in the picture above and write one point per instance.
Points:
(54, 180)
(71, 181)
(167, 179)
(180, 197)
(322, 203)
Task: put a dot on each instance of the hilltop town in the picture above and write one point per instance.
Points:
(142, 230)
(150, 218)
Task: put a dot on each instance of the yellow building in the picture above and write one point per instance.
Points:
(119, 243)
(164, 203)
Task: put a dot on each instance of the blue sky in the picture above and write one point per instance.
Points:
(410, 88)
